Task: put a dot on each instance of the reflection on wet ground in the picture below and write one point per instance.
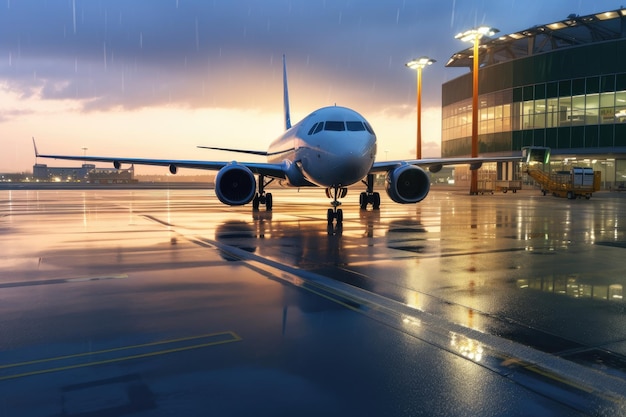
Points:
(571, 286)
(527, 286)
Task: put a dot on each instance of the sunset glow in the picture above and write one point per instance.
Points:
(122, 80)
(172, 131)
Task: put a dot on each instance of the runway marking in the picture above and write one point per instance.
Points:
(596, 388)
(416, 249)
(62, 281)
(558, 378)
(214, 339)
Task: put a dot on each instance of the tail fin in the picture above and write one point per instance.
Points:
(35, 146)
(286, 96)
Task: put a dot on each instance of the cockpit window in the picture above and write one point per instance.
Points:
(355, 126)
(335, 126)
(317, 127)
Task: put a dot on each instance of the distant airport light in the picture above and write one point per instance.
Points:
(474, 35)
(419, 64)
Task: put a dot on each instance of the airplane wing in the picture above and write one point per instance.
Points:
(270, 170)
(435, 164)
(251, 152)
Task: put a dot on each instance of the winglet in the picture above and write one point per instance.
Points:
(286, 96)
(35, 146)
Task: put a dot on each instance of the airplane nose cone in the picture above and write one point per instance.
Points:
(346, 161)
(353, 167)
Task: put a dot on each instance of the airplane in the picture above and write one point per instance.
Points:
(333, 148)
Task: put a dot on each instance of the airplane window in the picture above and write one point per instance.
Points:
(319, 128)
(369, 128)
(335, 126)
(312, 129)
(355, 126)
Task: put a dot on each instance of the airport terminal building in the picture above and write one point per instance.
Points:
(87, 173)
(561, 85)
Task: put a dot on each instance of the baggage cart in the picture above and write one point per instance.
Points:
(486, 186)
(506, 185)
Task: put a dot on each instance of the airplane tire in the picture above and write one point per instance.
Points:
(363, 201)
(268, 201)
(330, 216)
(376, 202)
(255, 203)
(339, 216)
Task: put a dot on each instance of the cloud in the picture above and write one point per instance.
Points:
(104, 65)
(10, 114)
(132, 54)
(128, 54)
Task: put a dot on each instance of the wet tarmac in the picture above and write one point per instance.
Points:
(165, 302)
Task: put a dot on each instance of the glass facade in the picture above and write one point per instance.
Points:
(495, 124)
(572, 100)
(582, 113)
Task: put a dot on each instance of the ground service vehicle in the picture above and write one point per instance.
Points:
(578, 182)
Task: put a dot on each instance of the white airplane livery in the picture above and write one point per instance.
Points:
(332, 148)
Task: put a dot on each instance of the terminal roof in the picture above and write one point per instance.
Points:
(573, 31)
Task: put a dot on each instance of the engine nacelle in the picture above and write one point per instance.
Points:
(407, 184)
(476, 165)
(435, 168)
(235, 185)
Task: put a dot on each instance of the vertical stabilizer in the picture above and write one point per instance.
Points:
(286, 96)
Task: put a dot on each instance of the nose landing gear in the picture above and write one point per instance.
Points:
(335, 213)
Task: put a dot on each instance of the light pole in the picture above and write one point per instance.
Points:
(418, 64)
(474, 35)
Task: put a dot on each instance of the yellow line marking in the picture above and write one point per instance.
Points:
(99, 352)
(234, 338)
(97, 278)
(55, 281)
(551, 375)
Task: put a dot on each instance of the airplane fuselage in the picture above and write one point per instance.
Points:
(331, 147)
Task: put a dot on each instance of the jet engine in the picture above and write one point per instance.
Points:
(407, 184)
(235, 185)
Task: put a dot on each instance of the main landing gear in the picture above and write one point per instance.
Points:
(369, 196)
(261, 197)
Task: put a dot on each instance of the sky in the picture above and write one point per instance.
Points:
(154, 79)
